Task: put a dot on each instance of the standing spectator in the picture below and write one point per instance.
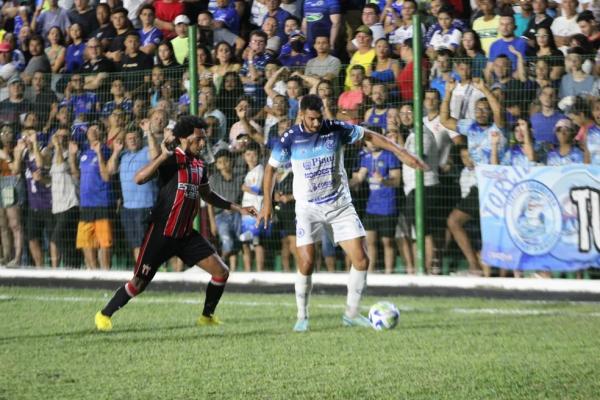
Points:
(56, 49)
(180, 41)
(576, 82)
(245, 126)
(226, 224)
(122, 26)
(540, 19)
(65, 200)
(384, 68)
(166, 12)
(12, 198)
(128, 158)
(134, 62)
(487, 25)
(565, 26)
(207, 109)
(85, 16)
(41, 93)
(321, 16)
(28, 158)
(119, 99)
(507, 43)
(443, 70)
(38, 61)
(522, 18)
(447, 36)
(324, 65)
(74, 57)
(544, 121)
(150, 35)
(350, 102)
(405, 77)
(45, 19)
(381, 169)
(364, 55)
(546, 48)
(106, 30)
(96, 199)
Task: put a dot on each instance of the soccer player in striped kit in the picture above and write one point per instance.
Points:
(182, 180)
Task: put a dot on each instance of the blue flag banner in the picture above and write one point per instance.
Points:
(540, 218)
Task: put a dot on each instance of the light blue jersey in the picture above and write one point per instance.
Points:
(479, 140)
(593, 144)
(317, 161)
(575, 156)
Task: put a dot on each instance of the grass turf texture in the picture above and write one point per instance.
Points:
(443, 348)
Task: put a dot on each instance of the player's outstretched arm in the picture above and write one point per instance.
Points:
(215, 199)
(266, 212)
(403, 155)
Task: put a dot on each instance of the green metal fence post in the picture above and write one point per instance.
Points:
(193, 76)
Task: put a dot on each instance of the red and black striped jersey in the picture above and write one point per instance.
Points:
(179, 179)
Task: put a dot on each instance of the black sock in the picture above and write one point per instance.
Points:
(213, 295)
(119, 299)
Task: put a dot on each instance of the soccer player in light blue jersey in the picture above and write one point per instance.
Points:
(315, 148)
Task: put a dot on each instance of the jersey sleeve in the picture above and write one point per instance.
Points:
(350, 133)
(334, 7)
(204, 177)
(463, 125)
(282, 150)
(393, 160)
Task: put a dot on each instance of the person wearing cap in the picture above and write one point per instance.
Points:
(364, 55)
(16, 104)
(183, 181)
(85, 16)
(7, 68)
(566, 153)
(370, 17)
(180, 42)
(150, 35)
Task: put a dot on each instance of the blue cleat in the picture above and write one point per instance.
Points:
(359, 320)
(301, 325)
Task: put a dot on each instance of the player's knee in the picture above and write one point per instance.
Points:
(361, 263)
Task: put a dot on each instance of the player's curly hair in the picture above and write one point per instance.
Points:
(311, 102)
(186, 124)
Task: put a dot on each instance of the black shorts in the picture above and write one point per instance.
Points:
(39, 221)
(470, 204)
(158, 248)
(384, 225)
(65, 227)
(430, 214)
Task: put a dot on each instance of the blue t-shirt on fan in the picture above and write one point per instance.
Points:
(382, 199)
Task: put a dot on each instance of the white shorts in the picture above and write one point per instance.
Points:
(339, 222)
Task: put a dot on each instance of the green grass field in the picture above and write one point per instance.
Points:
(444, 348)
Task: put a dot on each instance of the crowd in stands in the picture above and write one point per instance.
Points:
(88, 89)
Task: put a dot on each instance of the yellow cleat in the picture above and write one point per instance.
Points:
(103, 323)
(208, 321)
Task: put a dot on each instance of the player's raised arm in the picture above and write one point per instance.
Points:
(266, 212)
(403, 155)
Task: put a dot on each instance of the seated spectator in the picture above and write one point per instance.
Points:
(122, 26)
(96, 69)
(56, 50)
(541, 19)
(38, 61)
(43, 20)
(324, 89)
(225, 61)
(207, 109)
(209, 34)
(564, 26)
(487, 26)
(350, 102)
(324, 65)
(228, 96)
(545, 47)
(370, 17)
(15, 105)
(521, 152)
(128, 157)
(470, 47)
(275, 113)
(447, 36)
(65, 199)
(204, 61)
(364, 55)
(575, 82)
(166, 11)
(106, 31)
(150, 35)
(74, 56)
(566, 152)
(274, 10)
(166, 61)
(400, 29)
(578, 110)
(180, 41)
(443, 68)
(97, 202)
(522, 18)
(85, 16)
(115, 126)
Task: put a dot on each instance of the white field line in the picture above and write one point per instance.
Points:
(457, 310)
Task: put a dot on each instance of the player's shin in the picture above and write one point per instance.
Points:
(214, 291)
(303, 287)
(357, 283)
(120, 298)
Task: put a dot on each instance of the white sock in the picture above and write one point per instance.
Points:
(357, 282)
(303, 286)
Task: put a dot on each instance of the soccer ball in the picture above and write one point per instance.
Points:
(384, 315)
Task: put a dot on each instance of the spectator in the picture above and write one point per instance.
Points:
(540, 20)
(128, 157)
(106, 30)
(589, 27)
(447, 36)
(83, 104)
(350, 102)
(443, 68)
(382, 171)
(166, 57)
(40, 93)
(96, 200)
(134, 61)
(324, 65)
(253, 69)
(211, 35)
(521, 152)
(85, 17)
(225, 61)
(43, 20)
(277, 112)
(324, 89)
(38, 61)
(320, 16)
(523, 18)
(180, 42)
(166, 12)
(274, 10)
(471, 48)
(65, 200)
(575, 82)
(297, 58)
(74, 56)
(507, 44)
(545, 47)
(226, 223)
(565, 26)
(364, 55)
(487, 25)
(15, 105)
(96, 68)
(543, 122)
(370, 17)
(591, 142)
(122, 26)
(28, 158)
(381, 115)
(245, 126)
(207, 109)
(11, 200)
(401, 30)
(384, 68)
(150, 35)
(8, 69)
(405, 77)
(56, 50)
(119, 99)
(566, 152)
